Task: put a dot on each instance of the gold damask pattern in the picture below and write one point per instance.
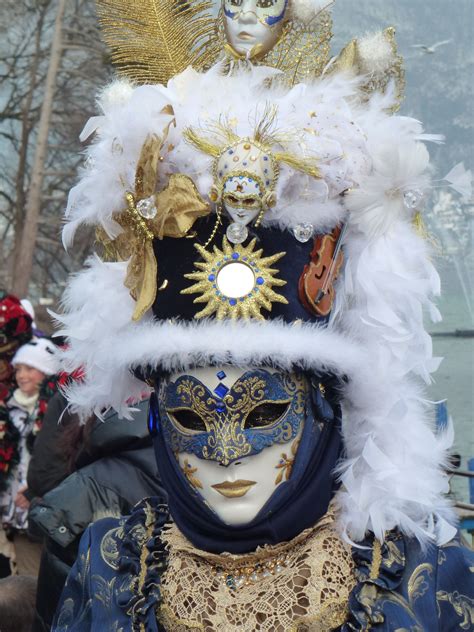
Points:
(309, 593)
(226, 439)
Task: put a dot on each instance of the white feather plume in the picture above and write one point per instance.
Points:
(375, 53)
(306, 10)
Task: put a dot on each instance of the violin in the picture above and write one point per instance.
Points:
(316, 283)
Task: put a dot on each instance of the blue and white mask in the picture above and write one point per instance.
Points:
(234, 433)
(232, 420)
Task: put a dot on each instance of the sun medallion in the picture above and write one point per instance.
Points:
(235, 282)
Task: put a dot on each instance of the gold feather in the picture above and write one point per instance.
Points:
(201, 143)
(153, 40)
(305, 165)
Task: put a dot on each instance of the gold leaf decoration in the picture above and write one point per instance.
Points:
(153, 40)
(174, 210)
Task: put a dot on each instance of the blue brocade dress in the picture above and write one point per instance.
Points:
(114, 585)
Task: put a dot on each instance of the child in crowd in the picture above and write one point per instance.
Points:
(32, 363)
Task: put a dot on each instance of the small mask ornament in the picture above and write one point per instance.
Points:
(253, 27)
(245, 176)
(234, 433)
(236, 282)
(246, 170)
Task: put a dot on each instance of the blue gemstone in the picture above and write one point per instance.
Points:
(214, 285)
(212, 277)
(220, 408)
(267, 182)
(265, 157)
(221, 375)
(260, 281)
(225, 166)
(241, 177)
(235, 255)
(265, 171)
(245, 164)
(231, 151)
(242, 299)
(232, 301)
(221, 390)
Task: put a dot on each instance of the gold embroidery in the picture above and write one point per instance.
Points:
(417, 584)
(463, 607)
(376, 560)
(310, 592)
(108, 547)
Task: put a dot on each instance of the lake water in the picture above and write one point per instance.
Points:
(454, 380)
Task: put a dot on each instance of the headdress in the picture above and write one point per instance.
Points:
(341, 232)
(152, 41)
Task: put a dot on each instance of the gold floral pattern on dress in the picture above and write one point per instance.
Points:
(463, 606)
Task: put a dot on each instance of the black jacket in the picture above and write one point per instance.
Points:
(122, 472)
(48, 467)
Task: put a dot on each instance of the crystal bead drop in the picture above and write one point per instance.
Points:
(303, 232)
(412, 198)
(236, 233)
(147, 208)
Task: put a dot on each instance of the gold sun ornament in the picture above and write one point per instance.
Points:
(235, 281)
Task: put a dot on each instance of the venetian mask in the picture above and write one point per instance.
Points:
(253, 26)
(245, 176)
(235, 434)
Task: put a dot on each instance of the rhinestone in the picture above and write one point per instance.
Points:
(147, 208)
(412, 198)
(221, 390)
(236, 233)
(303, 232)
(230, 582)
(254, 577)
(221, 375)
(267, 573)
(239, 581)
(278, 568)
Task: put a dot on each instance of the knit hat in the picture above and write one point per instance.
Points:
(40, 354)
(15, 324)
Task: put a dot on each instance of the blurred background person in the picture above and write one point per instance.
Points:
(22, 413)
(115, 468)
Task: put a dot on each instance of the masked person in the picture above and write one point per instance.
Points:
(262, 272)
